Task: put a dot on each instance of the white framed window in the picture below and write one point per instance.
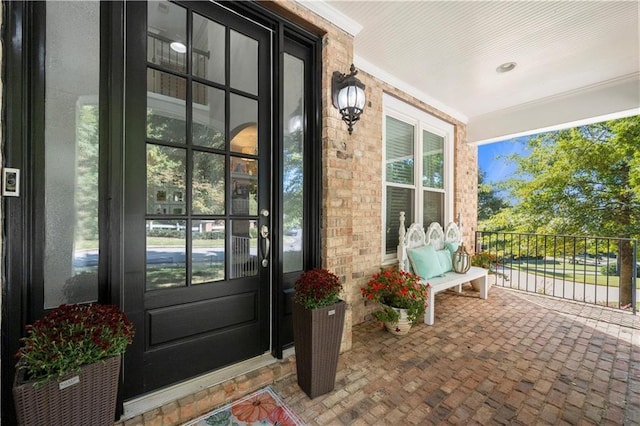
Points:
(417, 170)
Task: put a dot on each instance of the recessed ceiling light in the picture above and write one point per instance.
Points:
(176, 46)
(506, 67)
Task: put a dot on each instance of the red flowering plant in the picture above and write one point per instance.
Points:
(484, 259)
(71, 336)
(317, 288)
(394, 288)
(488, 261)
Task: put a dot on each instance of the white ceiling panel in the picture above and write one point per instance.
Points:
(448, 51)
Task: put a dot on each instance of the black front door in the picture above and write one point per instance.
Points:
(197, 185)
(180, 181)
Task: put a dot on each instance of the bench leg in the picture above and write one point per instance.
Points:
(459, 288)
(429, 312)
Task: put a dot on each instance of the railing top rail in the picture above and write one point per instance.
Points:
(559, 236)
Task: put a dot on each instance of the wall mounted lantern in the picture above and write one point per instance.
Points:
(348, 96)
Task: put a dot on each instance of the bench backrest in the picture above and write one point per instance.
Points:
(416, 237)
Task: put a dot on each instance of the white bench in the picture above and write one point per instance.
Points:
(415, 237)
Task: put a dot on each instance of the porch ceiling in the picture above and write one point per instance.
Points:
(576, 60)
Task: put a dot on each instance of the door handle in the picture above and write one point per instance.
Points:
(266, 245)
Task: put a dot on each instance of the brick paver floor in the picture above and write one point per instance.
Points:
(512, 359)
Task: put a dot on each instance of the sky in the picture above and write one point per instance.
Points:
(496, 168)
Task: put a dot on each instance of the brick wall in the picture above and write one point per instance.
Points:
(352, 173)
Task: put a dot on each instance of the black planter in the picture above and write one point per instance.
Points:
(317, 334)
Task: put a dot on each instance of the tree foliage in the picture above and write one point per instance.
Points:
(583, 181)
(293, 181)
(87, 155)
(490, 202)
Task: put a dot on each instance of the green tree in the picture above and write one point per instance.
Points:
(87, 154)
(293, 180)
(490, 202)
(583, 181)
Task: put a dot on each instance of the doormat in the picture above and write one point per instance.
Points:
(263, 407)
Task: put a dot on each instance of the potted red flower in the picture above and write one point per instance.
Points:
(402, 297)
(318, 321)
(69, 364)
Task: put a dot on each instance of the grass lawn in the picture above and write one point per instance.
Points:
(588, 274)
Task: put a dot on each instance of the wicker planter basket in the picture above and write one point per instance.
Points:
(317, 335)
(85, 398)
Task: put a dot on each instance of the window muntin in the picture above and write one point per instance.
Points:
(202, 150)
(423, 189)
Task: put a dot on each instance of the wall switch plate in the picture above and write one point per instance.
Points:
(10, 182)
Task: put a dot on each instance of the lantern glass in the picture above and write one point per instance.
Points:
(351, 96)
(359, 101)
(343, 98)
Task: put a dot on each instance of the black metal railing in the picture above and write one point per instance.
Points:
(597, 270)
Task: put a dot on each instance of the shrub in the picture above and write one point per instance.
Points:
(71, 336)
(317, 288)
(610, 269)
(397, 289)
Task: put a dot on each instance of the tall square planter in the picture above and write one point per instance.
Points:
(87, 397)
(317, 334)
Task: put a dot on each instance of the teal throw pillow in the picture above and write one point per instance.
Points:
(446, 260)
(452, 247)
(425, 262)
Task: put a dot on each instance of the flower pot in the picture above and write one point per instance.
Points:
(317, 334)
(491, 280)
(402, 326)
(87, 397)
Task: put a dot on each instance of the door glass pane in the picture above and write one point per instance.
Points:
(293, 160)
(208, 49)
(433, 160)
(208, 116)
(399, 151)
(208, 183)
(166, 107)
(244, 186)
(166, 254)
(243, 125)
(207, 254)
(244, 63)
(166, 172)
(433, 208)
(71, 132)
(167, 35)
(244, 248)
(215, 175)
(398, 200)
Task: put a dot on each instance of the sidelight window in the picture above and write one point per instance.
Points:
(71, 133)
